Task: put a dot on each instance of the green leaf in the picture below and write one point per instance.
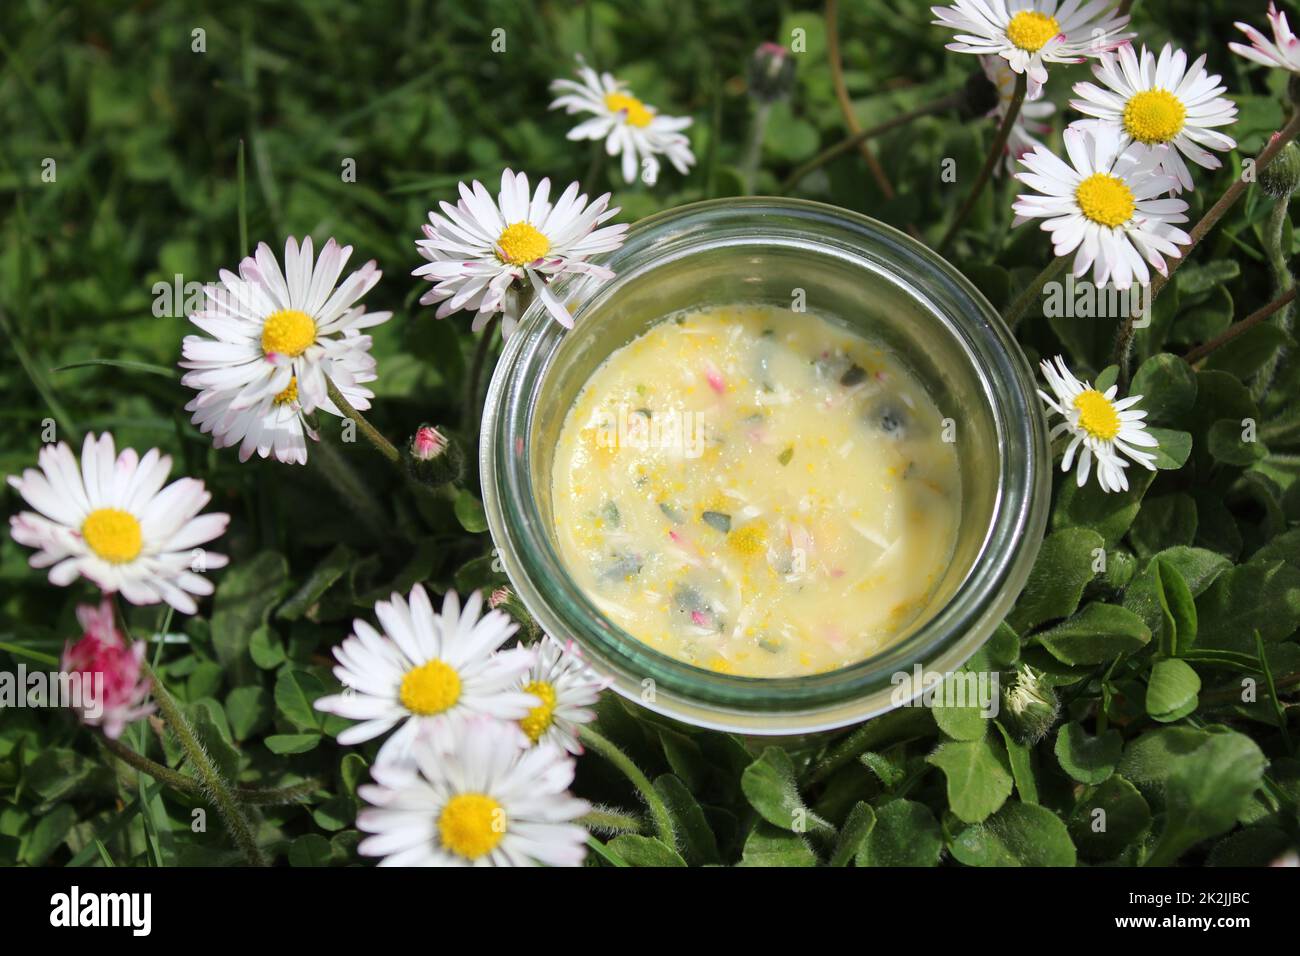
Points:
(645, 851)
(1098, 633)
(1085, 758)
(310, 849)
(1172, 690)
(906, 834)
(769, 785)
(1020, 834)
(1197, 279)
(1167, 385)
(1149, 760)
(248, 709)
(1206, 792)
(1227, 443)
(295, 690)
(967, 721)
(1108, 513)
(861, 821)
(1063, 569)
(48, 834)
(266, 648)
(244, 598)
(1263, 596)
(772, 846)
(292, 743)
(1108, 819)
(1178, 609)
(469, 512)
(699, 846)
(1174, 449)
(1020, 757)
(978, 782)
(323, 576)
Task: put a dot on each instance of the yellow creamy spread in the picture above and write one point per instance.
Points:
(756, 491)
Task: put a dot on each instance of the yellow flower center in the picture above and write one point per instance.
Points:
(288, 332)
(471, 825)
(1030, 30)
(1097, 416)
(521, 244)
(1105, 199)
(113, 534)
(749, 540)
(1154, 116)
(290, 394)
(430, 688)
(637, 113)
(538, 720)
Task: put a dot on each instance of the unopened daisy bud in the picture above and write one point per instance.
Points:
(1280, 178)
(433, 458)
(498, 597)
(771, 73)
(1029, 705)
(112, 691)
(1120, 568)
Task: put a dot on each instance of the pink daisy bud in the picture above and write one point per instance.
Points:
(113, 692)
(428, 443)
(498, 597)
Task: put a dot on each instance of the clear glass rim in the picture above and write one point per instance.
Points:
(754, 705)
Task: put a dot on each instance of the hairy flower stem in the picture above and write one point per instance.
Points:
(211, 780)
(663, 821)
(474, 383)
(1016, 311)
(996, 149)
(613, 822)
(754, 147)
(1124, 339)
(1237, 328)
(832, 19)
(373, 435)
(191, 787)
(951, 101)
(1279, 267)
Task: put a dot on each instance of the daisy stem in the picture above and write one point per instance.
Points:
(832, 19)
(996, 149)
(382, 444)
(190, 786)
(951, 101)
(1237, 328)
(473, 385)
(663, 822)
(1279, 266)
(1016, 311)
(754, 147)
(210, 778)
(1228, 199)
(1124, 340)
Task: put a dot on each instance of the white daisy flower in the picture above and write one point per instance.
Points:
(276, 425)
(1029, 34)
(567, 688)
(630, 128)
(1160, 102)
(478, 248)
(1105, 206)
(109, 519)
(1029, 123)
(429, 672)
(1282, 51)
(276, 337)
(1106, 430)
(486, 802)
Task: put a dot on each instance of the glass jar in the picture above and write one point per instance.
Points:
(846, 268)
